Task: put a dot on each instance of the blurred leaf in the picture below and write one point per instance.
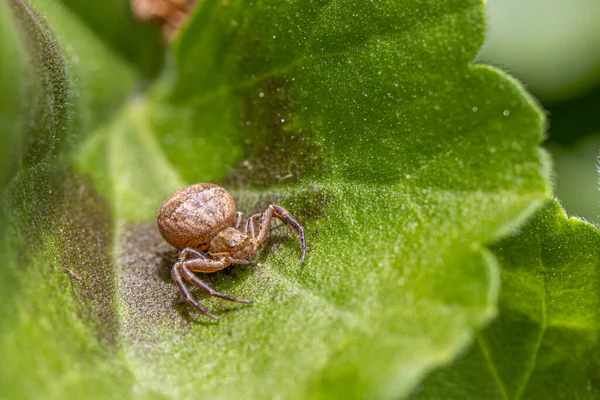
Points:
(57, 337)
(544, 345)
(366, 121)
(111, 20)
(12, 78)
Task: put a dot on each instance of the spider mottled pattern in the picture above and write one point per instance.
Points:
(201, 221)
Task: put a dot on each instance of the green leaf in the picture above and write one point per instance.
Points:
(544, 343)
(56, 336)
(370, 125)
(111, 21)
(12, 79)
(367, 121)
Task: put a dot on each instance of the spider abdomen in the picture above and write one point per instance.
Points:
(193, 215)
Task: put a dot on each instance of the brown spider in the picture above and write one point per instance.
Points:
(201, 221)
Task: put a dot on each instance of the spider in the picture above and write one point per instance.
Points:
(201, 221)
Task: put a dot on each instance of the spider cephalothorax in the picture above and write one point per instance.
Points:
(201, 221)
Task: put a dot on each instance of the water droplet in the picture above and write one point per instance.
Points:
(475, 109)
(506, 113)
(261, 94)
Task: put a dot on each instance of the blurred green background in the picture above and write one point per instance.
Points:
(553, 47)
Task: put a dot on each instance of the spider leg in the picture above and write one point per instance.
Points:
(205, 264)
(237, 261)
(188, 251)
(238, 220)
(275, 211)
(250, 229)
(176, 275)
(194, 280)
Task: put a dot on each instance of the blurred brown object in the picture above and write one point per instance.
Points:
(170, 14)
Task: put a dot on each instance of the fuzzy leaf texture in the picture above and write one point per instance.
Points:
(367, 121)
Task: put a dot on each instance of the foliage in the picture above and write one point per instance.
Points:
(367, 121)
(544, 343)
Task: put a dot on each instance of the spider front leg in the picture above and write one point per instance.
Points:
(185, 269)
(176, 275)
(264, 225)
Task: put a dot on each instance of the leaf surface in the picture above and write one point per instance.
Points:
(12, 76)
(112, 22)
(369, 124)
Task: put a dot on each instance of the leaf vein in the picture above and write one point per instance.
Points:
(490, 363)
(543, 327)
